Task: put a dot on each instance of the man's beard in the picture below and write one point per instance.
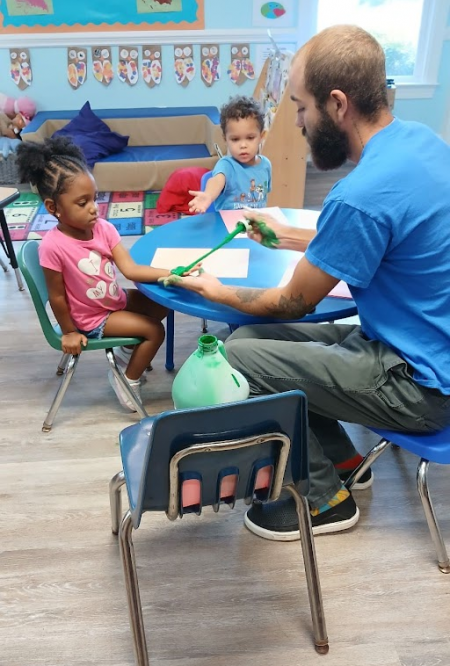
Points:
(329, 145)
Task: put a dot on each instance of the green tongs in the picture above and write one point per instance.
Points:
(269, 239)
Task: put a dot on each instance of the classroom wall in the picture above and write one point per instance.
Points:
(434, 111)
(51, 90)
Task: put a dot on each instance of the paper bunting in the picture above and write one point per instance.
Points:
(76, 66)
(151, 64)
(102, 64)
(210, 63)
(241, 67)
(20, 67)
(127, 69)
(184, 64)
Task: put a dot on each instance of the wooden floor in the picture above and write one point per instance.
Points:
(213, 594)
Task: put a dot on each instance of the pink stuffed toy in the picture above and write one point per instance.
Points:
(20, 111)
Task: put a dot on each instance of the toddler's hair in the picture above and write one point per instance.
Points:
(241, 107)
(51, 165)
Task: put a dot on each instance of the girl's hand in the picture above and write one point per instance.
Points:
(265, 230)
(204, 284)
(71, 343)
(200, 203)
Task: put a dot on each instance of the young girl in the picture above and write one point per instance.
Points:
(79, 256)
(243, 177)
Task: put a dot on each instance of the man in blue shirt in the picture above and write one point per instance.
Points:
(385, 230)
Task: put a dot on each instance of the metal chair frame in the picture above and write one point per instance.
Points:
(123, 526)
(422, 487)
(34, 277)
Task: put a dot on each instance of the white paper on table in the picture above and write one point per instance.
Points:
(341, 290)
(232, 217)
(225, 263)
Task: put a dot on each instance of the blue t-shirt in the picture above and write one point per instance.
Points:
(245, 185)
(385, 230)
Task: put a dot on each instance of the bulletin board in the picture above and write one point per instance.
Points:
(56, 16)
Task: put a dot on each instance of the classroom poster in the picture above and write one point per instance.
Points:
(53, 16)
(274, 14)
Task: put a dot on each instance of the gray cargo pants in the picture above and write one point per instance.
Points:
(345, 377)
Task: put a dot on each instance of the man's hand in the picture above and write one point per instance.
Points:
(71, 343)
(204, 284)
(265, 230)
(200, 203)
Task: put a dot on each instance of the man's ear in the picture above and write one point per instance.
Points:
(50, 206)
(337, 105)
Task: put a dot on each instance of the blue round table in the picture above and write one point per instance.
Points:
(265, 269)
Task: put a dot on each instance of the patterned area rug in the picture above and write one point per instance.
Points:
(132, 213)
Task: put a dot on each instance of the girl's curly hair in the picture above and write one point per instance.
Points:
(51, 165)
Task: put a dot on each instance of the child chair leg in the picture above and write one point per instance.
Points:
(47, 425)
(433, 525)
(62, 364)
(115, 500)
(311, 570)
(132, 587)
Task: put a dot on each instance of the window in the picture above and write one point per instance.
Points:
(410, 31)
(384, 19)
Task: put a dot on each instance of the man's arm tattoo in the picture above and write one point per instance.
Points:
(294, 307)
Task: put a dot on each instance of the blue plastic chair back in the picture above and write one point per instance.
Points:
(434, 447)
(204, 180)
(147, 448)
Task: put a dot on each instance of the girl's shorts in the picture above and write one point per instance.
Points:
(97, 332)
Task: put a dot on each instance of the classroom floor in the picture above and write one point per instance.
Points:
(213, 594)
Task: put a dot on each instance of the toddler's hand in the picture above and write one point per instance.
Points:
(71, 343)
(200, 203)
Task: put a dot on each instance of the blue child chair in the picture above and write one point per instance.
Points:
(434, 447)
(181, 461)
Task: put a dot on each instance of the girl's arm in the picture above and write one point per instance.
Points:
(202, 200)
(72, 340)
(133, 271)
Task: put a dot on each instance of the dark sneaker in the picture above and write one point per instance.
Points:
(278, 520)
(365, 481)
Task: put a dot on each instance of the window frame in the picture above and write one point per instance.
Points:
(433, 29)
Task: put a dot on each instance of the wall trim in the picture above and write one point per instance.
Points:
(415, 90)
(216, 36)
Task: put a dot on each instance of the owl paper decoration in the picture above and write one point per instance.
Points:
(151, 65)
(102, 64)
(127, 69)
(184, 65)
(210, 63)
(20, 67)
(240, 67)
(76, 66)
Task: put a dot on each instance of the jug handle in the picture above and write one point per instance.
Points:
(222, 349)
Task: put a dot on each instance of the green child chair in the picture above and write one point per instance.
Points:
(28, 260)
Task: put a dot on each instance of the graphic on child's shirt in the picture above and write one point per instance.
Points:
(92, 266)
(256, 197)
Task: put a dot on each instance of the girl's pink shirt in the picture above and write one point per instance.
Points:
(88, 272)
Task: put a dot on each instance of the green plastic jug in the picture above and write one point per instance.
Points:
(206, 377)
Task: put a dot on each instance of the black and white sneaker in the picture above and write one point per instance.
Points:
(277, 521)
(364, 482)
